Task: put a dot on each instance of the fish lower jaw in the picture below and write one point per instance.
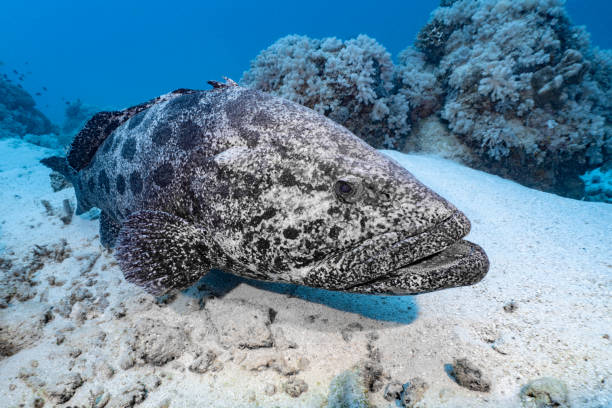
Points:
(461, 264)
(384, 257)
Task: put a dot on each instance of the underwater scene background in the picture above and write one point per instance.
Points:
(502, 107)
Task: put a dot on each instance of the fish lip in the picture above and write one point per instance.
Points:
(462, 263)
(379, 256)
(413, 248)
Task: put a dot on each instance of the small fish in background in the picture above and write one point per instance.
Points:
(44, 88)
(38, 94)
(261, 187)
(16, 72)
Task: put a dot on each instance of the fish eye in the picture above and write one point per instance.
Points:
(344, 187)
(348, 189)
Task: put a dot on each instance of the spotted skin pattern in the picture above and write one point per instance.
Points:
(264, 188)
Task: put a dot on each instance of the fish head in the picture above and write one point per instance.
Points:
(394, 234)
(313, 204)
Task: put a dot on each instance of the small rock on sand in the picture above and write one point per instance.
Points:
(510, 306)
(38, 402)
(413, 392)
(295, 387)
(58, 181)
(106, 370)
(393, 390)
(98, 398)
(64, 388)
(157, 343)
(373, 375)
(469, 376)
(347, 332)
(545, 392)
(67, 212)
(129, 396)
(203, 363)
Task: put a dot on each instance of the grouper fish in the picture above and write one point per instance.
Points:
(239, 180)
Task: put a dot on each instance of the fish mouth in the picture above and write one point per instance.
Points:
(460, 264)
(397, 264)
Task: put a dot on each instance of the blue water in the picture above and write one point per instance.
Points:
(113, 53)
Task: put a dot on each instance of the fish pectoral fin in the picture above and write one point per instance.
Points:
(162, 252)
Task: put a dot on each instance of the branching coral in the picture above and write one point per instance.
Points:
(522, 88)
(349, 81)
(417, 83)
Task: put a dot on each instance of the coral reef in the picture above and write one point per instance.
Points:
(416, 82)
(523, 89)
(20, 118)
(352, 82)
(598, 184)
(18, 115)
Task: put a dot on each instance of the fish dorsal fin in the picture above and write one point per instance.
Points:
(102, 124)
(93, 134)
(220, 85)
(162, 252)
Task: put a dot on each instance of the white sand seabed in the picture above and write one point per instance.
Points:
(552, 256)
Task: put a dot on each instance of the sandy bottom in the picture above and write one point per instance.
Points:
(73, 332)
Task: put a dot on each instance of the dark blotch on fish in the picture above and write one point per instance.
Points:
(162, 176)
(135, 183)
(129, 149)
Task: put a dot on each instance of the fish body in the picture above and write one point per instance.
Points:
(261, 187)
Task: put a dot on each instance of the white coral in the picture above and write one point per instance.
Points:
(499, 83)
(417, 82)
(489, 62)
(598, 185)
(350, 81)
